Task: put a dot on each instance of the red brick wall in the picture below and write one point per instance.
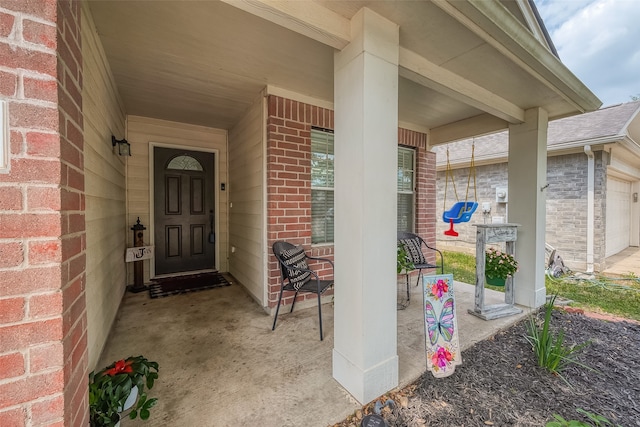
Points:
(289, 182)
(425, 224)
(43, 359)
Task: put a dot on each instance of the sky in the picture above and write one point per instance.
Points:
(599, 41)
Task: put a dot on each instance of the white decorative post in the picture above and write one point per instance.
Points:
(494, 233)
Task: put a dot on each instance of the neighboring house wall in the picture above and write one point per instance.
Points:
(43, 324)
(488, 178)
(105, 191)
(611, 134)
(289, 183)
(246, 200)
(141, 132)
(566, 219)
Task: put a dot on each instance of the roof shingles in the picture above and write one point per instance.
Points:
(606, 122)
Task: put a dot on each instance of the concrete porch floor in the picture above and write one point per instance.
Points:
(221, 365)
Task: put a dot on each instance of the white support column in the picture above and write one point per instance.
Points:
(527, 204)
(365, 359)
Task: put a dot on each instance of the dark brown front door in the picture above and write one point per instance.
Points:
(183, 203)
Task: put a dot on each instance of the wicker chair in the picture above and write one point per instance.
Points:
(296, 276)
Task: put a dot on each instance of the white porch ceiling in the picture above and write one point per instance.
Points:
(205, 62)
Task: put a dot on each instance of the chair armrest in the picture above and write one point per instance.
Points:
(438, 251)
(321, 259)
(324, 260)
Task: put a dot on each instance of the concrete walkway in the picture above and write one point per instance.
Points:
(624, 263)
(221, 365)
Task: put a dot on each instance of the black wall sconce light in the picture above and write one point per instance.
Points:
(124, 148)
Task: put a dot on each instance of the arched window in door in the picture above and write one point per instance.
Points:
(185, 163)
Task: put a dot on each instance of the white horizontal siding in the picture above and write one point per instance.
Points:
(104, 174)
(142, 132)
(247, 216)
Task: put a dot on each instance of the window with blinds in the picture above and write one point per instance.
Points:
(322, 179)
(406, 181)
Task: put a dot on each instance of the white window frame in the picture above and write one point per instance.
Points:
(315, 130)
(413, 152)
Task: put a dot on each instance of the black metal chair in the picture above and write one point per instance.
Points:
(296, 276)
(414, 247)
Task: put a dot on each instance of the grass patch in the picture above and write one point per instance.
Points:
(463, 268)
(615, 296)
(597, 420)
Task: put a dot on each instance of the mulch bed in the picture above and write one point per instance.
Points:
(500, 384)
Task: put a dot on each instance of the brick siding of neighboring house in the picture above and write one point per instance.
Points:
(43, 351)
(488, 178)
(289, 126)
(566, 211)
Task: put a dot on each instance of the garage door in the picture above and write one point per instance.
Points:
(618, 215)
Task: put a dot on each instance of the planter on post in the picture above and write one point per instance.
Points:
(494, 233)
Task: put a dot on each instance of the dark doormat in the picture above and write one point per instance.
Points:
(183, 284)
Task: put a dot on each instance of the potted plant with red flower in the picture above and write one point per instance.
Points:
(120, 386)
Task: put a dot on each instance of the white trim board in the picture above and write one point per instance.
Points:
(5, 140)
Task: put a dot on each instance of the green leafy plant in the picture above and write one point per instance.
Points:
(596, 420)
(110, 387)
(550, 349)
(499, 265)
(403, 261)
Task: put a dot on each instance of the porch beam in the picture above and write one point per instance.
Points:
(467, 128)
(325, 26)
(304, 17)
(424, 72)
(497, 27)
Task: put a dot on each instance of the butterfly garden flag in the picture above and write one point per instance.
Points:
(441, 326)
